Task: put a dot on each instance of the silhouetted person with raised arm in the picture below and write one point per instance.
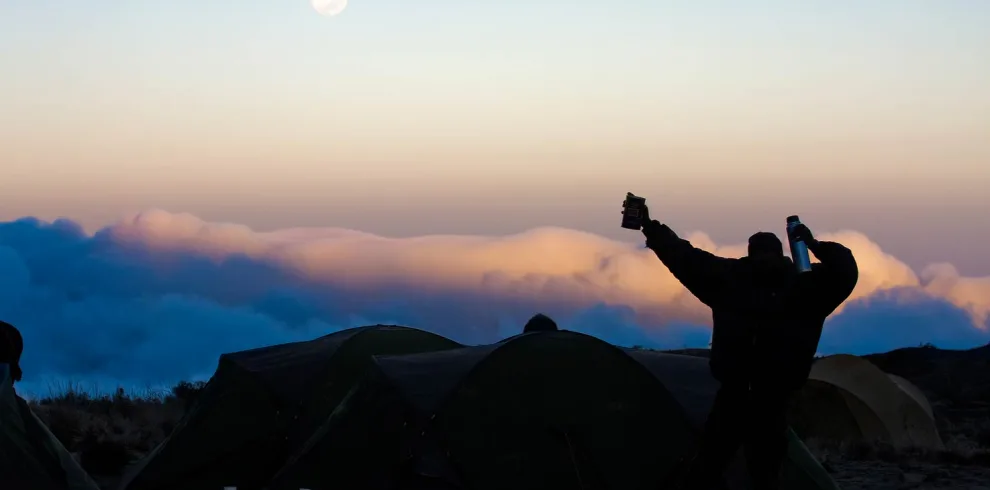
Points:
(767, 321)
(11, 347)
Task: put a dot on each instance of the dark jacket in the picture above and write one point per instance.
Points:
(767, 320)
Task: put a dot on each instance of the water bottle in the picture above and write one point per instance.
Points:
(799, 250)
(632, 215)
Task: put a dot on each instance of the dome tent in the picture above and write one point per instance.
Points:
(539, 410)
(847, 398)
(914, 392)
(689, 380)
(262, 403)
(31, 458)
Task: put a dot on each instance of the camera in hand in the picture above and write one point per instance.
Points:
(632, 212)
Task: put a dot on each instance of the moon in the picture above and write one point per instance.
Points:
(329, 8)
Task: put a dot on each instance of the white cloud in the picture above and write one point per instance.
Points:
(157, 297)
(554, 264)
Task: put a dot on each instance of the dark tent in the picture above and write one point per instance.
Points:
(262, 404)
(540, 410)
(31, 458)
(689, 380)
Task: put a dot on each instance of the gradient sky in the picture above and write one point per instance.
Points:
(444, 116)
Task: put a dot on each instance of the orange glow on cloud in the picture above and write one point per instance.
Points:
(551, 264)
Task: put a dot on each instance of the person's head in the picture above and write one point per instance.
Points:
(765, 248)
(540, 323)
(11, 347)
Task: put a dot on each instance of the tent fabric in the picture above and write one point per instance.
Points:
(31, 458)
(828, 412)
(914, 392)
(538, 410)
(426, 378)
(556, 410)
(263, 403)
(879, 406)
(364, 443)
(690, 381)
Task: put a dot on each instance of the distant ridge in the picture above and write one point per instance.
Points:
(953, 377)
(956, 382)
(706, 353)
(959, 378)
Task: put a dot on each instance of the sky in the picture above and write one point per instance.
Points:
(441, 117)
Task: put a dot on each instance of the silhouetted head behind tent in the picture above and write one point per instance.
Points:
(540, 323)
(11, 348)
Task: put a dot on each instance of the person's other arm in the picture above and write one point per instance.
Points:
(702, 273)
(837, 274)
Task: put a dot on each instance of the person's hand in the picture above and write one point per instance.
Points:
(650, 226)
(802, 233)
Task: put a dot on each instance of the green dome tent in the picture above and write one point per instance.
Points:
(540, 410)
(848, 398)
(262, 403)
(31, 458)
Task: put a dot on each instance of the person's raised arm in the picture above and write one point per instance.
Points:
(837, 274)
(701, 272)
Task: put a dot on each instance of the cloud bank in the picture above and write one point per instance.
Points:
(157, 297)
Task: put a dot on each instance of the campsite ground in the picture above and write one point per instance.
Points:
(964, 465)
(108, 432)
(881, 475)
(957, 383)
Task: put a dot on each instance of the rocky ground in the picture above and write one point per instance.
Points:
(882, 475)
(957, 383)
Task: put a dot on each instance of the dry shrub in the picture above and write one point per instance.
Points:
(110, 431)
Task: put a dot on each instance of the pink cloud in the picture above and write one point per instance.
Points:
(158, 296)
